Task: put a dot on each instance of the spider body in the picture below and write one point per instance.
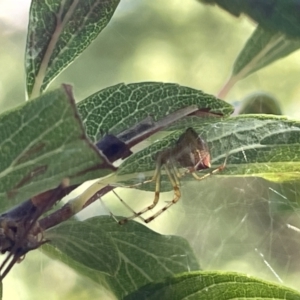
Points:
(190, 152)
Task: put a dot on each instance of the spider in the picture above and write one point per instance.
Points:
(190, 152)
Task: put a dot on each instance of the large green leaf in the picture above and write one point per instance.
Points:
(42, 142)
(132, 255)
(84, 243)
(58, 32)
(257, 145)
(119, 107)
(213, 285)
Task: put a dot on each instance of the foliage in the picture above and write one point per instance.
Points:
(51, 138)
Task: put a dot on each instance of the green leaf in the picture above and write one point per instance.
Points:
(58, 32)
(262, 48)
(257, 145)
(280, 16)
(42, 142)
(119, 107)
(84, 243)
(213, 285)
(142, 256)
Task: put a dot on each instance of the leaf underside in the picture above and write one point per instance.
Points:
(130, 255)
(42, 142)
(119, 107)
(256, 145)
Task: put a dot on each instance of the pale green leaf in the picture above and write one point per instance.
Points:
(58, 32)
(262, 48)
(214, 285)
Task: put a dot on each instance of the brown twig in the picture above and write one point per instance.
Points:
(67, 211)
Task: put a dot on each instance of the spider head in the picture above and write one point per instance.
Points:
(201, 154)
(191, 151)
(201, 159)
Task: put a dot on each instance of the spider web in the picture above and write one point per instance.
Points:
(243, 225)
(247, 225)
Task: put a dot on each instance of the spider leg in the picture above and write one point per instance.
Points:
(156, 173)
(172, 174)
(176, 173)
(107, 209)
(157, 179)
(217, 170)
(123, 221)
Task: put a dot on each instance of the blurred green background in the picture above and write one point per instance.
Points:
(192, 45)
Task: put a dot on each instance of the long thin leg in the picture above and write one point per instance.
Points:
(174, 176)
(125, 220)
(157, 179)
(175, 183)
(176, 172)
(110, 212)
(217, 170)
(156, 173)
